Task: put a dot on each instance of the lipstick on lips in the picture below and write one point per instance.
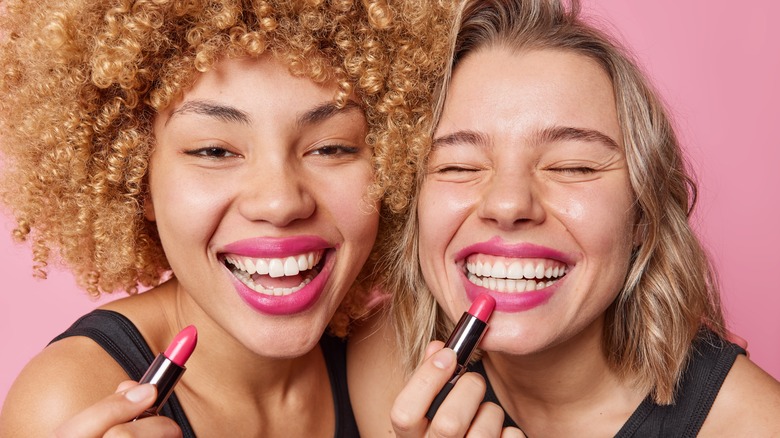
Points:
(464, 340)
(168, 367)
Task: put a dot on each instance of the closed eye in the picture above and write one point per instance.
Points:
(574, 170)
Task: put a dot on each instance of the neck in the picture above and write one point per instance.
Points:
(564, 388)
(259, 391)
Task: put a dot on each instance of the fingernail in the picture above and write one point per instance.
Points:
(139, 393)
(443, 358)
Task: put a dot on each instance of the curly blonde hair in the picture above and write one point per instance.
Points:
(671, 289)
(81, 81)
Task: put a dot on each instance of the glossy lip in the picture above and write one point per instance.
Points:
(514, 302)
(266, 247)
(269, 247)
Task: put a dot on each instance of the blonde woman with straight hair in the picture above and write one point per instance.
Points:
(555, 184)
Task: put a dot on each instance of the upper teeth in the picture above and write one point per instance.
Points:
(517, 269)
(514, 276)
(276, 267)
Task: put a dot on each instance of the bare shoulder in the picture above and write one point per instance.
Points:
(747, 405)
(66, 377)
(375, 374)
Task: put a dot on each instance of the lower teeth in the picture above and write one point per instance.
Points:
(509, 285)
(281, 291)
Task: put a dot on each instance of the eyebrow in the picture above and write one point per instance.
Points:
(558, 133)
(208, 108)
(461, 137)
(232, 114)
(323, 112)
(547, 135)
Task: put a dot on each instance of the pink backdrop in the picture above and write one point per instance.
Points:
(718, 66)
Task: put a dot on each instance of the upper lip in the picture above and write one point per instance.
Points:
(276, 247)
(497, 247)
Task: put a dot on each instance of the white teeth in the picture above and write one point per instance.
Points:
(250, 267)
(515, 270)
(275, 268)
(517, 276)
(290, 266)
(247, 280)
(498, 271)
(540, 271)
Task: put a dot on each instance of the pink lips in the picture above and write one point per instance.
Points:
(276, 247)
(293, 303)
(512, 302)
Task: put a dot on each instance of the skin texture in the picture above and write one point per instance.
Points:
(214, 181)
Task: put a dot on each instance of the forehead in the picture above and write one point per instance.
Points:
(501, 89)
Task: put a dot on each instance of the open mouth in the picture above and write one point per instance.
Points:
(276, 276)
(512, 275)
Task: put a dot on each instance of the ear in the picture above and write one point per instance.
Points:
(149, 208)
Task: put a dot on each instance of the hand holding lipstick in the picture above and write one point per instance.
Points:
(451, 397)
(114, 413)
(462, 413)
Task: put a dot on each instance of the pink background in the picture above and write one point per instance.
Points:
(717, 65)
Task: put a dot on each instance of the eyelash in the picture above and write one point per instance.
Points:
(583, 170)
(213, 152)
(335, 149)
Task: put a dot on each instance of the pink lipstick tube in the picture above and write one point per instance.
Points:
(168, 367)
(464, 340)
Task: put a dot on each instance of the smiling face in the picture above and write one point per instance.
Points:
(258, 186)
(527, 197)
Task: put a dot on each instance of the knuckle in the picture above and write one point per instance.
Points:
(474, 381)
(401, 419)
(446, 426)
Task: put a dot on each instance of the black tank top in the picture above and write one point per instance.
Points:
(710, 362)
(122, 340)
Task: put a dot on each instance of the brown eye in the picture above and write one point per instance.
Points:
(335, 150)
(211, 152)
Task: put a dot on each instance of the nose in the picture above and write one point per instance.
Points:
(511, 199)
(277, 194)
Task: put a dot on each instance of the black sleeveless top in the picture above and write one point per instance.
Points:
(122, 340)
(710, 362)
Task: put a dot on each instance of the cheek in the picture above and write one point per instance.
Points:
(601, 220)
(187, 208)
(345, 197)
(441, 212)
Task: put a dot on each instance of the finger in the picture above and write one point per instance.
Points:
(458, 411)
(433, 347)
(125, 385)
(156, 426)
(488, 422)
(117, 408)
(408, 412)
(512, 432)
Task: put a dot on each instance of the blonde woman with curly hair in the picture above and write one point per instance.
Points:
(556, 185)
(236, 159)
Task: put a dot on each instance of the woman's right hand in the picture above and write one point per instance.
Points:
(461, 414)
(113, 416)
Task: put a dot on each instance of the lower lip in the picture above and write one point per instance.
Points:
(295, 302)
(512, 302)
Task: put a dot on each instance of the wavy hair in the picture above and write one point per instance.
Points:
(81, 81)
(670, 289)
